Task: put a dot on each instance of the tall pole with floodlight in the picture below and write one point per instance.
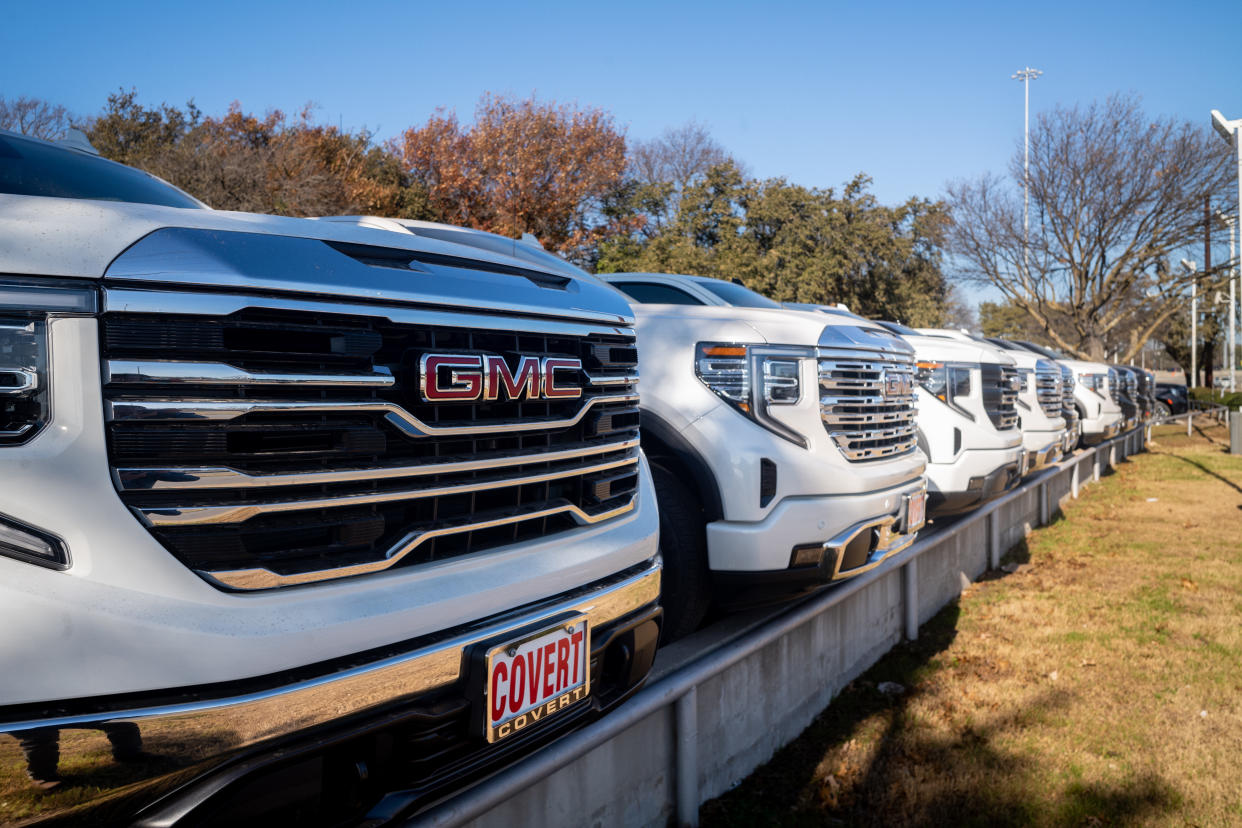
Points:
(1231, 131)
(1026, 76)
(1231, 222)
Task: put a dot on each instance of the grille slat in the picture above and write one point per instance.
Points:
(1068, 410)
(867, 403)
(1048, 390)
(1000, 394)
(261, 458)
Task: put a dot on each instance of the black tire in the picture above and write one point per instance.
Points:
(1162, 410)
(685, 584)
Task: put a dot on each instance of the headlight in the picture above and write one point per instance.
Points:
(946, 382)
(751, 378)
(25, 381)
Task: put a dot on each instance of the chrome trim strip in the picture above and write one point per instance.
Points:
(396, 415)
(207, 515)
(625, 379)
(254, 717)
(259, 578)
(889, 543)
(121, 371)
(27, 381)
(125, 300)
(168, 479)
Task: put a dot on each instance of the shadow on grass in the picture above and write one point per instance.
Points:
(902, 776)
(1203, 469)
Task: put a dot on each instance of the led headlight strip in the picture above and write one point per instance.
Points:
(753, 378)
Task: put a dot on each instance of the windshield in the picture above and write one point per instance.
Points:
(736, 295)
(34, 168)
(1040, 349)
(899, 329)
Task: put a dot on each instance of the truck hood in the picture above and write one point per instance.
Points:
(73, 238)
(775, 326)
(939, 349)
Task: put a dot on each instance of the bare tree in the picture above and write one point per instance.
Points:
(35, 117)
(677, 157)
(661, 169)
(1114, 195)
(958, 312)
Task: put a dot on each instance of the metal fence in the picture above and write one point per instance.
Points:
(693, 733)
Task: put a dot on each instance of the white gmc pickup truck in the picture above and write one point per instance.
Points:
(300, 523)
(782, 443)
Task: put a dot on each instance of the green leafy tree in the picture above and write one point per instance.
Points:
(799, 244)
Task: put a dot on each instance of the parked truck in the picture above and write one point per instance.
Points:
(782, 443)
(1040, 397)
(312, 523)
(967, 420)
(1095, 394)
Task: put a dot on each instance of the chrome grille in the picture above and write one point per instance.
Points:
(1068, 411)
(1048, 388)
(267, 446)
(1000, 394)
(867, 402)
(1114, 387)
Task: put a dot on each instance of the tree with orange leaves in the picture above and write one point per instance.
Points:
(523, 166)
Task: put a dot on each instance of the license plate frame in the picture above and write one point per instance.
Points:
(521, 647)
(916, 511)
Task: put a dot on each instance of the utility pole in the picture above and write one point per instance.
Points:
(1194, 322)
(1230, 222)
(1026, 76)
(1233, 308)
(1207, 268)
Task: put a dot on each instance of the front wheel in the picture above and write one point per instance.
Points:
(685, 584)
(1162, 410)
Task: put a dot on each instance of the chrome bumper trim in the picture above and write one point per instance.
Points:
(889, 543)
(280, 711)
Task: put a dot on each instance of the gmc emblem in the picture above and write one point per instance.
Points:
(470, 377)
(896, 384)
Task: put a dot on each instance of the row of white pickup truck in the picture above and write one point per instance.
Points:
(316, 521)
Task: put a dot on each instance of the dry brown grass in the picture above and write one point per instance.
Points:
(1100, 684)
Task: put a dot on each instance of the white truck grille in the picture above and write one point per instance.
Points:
(1048, 388)
(1000, 394)
(267, 445)
(867, 402)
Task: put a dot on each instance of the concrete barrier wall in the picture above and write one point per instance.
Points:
(701, 728)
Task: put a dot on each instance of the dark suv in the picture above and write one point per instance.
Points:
(1171, 399)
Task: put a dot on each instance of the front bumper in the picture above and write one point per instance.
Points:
(211, 743)
(976, 476)
(1041, 458)
(753, 563)
(1107, 432)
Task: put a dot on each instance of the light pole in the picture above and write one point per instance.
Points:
(1191, 267)
(1231, 223)
(1026, 76)
(1231, 131)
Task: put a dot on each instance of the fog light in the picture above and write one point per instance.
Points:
(32, 546)
(808, 555)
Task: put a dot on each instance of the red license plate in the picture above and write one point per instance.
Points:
(536, 677)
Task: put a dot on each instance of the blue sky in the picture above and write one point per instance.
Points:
(911, 93)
